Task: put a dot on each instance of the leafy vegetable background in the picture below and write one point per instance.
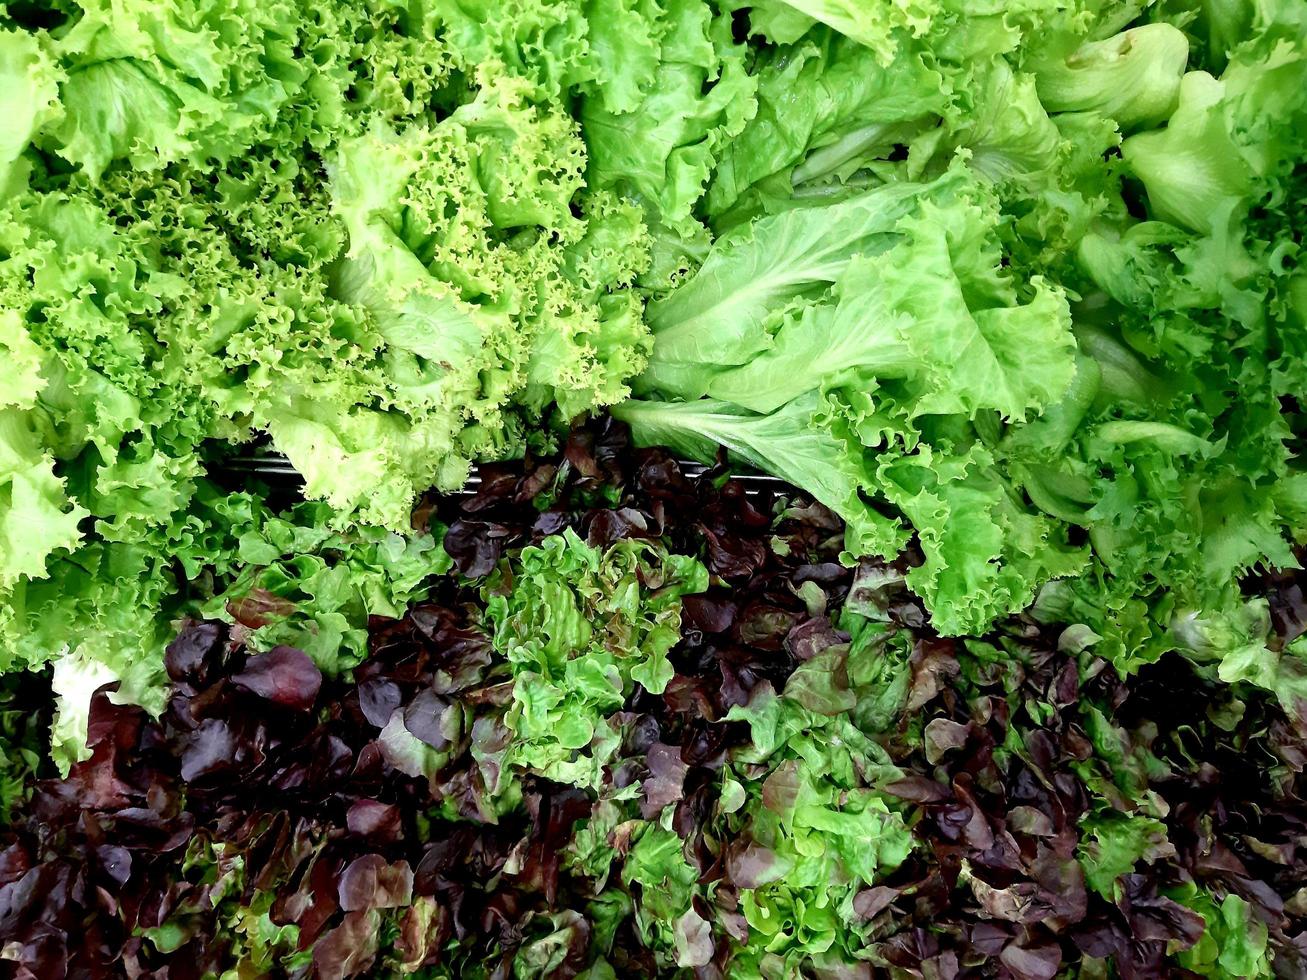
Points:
(1010, 294)
(1016, 283)
(823, 787)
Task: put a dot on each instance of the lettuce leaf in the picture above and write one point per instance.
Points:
(824, 104)
(791, 443)
(658, 135)
(723, 315)
(932, 313)
(850, 359)
(580, 628)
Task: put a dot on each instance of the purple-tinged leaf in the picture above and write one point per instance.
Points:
(379, 822)
(284, 676)
(370, 882)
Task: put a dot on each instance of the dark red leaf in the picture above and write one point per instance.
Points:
(116, 862)
(475, 546)
(370, 882)
(1032, 963)
(378, 699)
(763, 625)
(751, 865)
(707, 613)
(811, 637)
(212, 747)
(197, 645)
(934, 662)
(426, 719)
(377, 821)
(284, 676)
(918, 789)
(870, 902)
(941, 736)
(349, 949)
(665, 783)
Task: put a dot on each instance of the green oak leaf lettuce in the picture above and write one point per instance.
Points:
(580, 628)
(1234, 939)
(813, 829)
(299, 583)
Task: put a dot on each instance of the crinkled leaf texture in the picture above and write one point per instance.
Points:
(580, 627)
(363, 233)
(866, 365)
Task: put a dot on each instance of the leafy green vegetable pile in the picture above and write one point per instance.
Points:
(365, 233)
(1028, 282)
(1011, 293)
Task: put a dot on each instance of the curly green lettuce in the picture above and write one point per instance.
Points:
(873, 366)
(363, 234)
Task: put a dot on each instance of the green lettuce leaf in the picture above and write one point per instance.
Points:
(580, 628)
(37, 519)
(986, 554)
(29, 89)
(1132, 78)
(935, 312)
(825, 105)
(1112, 844)
(792, 443)
(1234, 942)
(814, 831)
(724, 314)
(152, 83)
(304, 585)
(658, 135)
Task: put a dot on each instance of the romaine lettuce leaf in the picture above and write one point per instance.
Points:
(723, 315)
